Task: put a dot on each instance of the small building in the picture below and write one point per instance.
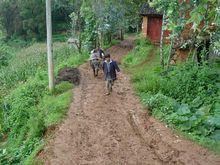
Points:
(152, 23)
(185, 43)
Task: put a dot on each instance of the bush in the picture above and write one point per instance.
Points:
(18, 103)
(186, 97)
(29, 115)
(189, 83)
(29, 109)
(6, 53)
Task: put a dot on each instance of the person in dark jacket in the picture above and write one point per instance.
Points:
(109, 68)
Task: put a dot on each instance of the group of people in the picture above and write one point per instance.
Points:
(107, 64)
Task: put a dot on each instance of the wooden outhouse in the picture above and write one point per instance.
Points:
(152, 23)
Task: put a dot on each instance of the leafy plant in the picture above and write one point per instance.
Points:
(186, 96)
(28, 108)
(6, 53)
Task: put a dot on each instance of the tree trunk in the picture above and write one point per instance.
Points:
(121, 34)
(110, 38)
(80, 44)
(137, 28)
(161, 43)
(170, 52)
(80, 32)
(102, 39)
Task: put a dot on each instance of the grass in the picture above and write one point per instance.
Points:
(114, 42)
(55, 107)
(32, 160)
(186, 96)
(28, 109)
(141, 66)
(60, 37)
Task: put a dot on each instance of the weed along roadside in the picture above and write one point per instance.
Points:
(186, 97)
(29, 109)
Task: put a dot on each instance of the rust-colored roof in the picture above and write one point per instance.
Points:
(146, 10)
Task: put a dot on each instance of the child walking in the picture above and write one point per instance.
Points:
(109, 68)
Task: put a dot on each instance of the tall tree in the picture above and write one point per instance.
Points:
(33, 14)
(10, 17)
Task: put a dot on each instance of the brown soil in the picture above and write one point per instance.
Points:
(71, 75)
(116, 129)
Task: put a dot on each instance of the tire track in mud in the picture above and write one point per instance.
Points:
(116, 129)
(137, 118)
(166, 157)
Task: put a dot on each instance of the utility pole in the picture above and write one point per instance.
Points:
(49, 45)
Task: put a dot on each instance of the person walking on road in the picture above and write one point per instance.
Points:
(109, 68)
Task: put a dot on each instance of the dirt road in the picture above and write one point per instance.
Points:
(116, 129)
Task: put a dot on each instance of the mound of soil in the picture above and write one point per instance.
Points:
(71, 75)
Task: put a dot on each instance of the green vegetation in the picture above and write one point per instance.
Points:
(114, 42)
(28, 108)
(186, 96)
(26, 18)
(89, 21)
(193, 26)
(6, 54)
(100, 22)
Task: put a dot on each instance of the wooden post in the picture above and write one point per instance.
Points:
(49, 45)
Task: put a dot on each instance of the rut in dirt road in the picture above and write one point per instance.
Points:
(116, 129)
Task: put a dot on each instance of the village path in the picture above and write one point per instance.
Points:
(116, 129)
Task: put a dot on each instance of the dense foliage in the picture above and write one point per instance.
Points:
(98, 22)
(26, 18)
(194, 25)
(186, 96)
(28, 108)
(6, 53)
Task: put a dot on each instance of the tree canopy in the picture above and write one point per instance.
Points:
(26, 18)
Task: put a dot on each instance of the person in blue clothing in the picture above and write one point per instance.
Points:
(109, 68)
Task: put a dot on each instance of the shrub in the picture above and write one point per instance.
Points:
(189, 83)
(6, 53)
(18, 104)
(29, 109)
(186, 97)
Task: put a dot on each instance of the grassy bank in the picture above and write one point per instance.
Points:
(186, 96)
(27, 108)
